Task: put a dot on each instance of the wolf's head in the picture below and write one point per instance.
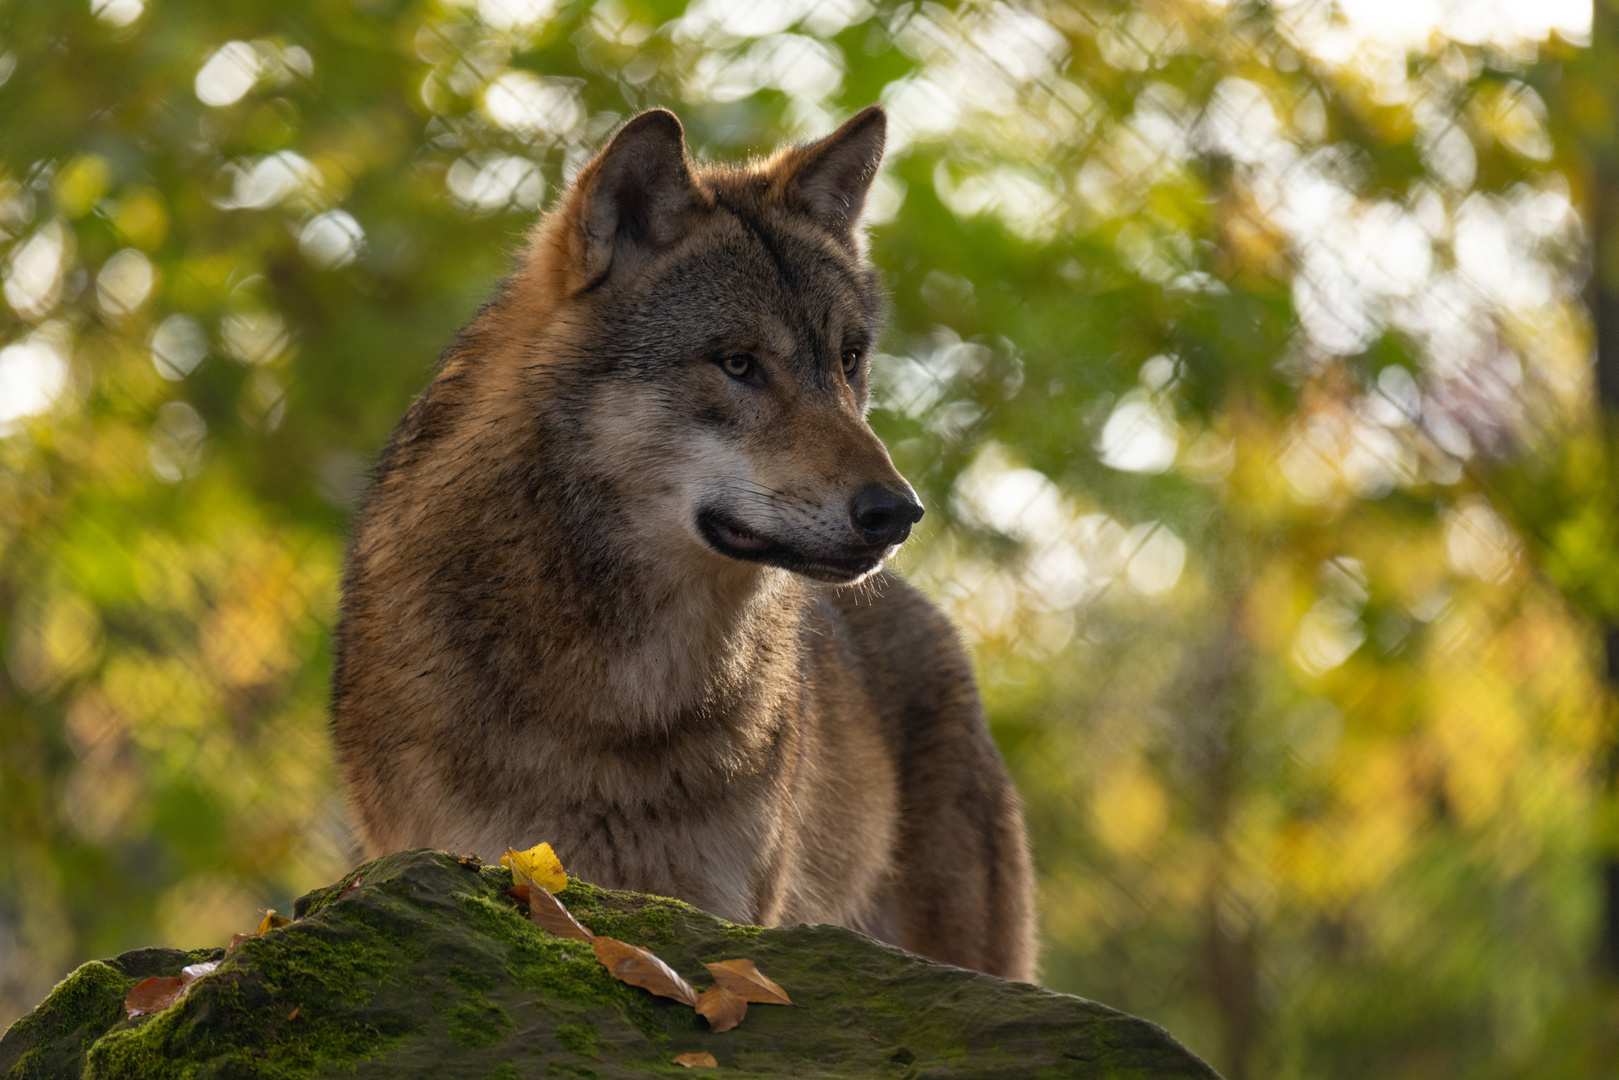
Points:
(714, 328)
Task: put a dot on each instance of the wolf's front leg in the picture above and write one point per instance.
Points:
(964, 892)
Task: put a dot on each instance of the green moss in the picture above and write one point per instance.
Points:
(78, 1011)
(569, 971)
(291, 994)
(558, 1068)
(319, 962)
(427, 970)
(581, 1039)
(649, 921)
(497, 917)
(319, 899)
(539, 961)
(469, 981)
(91, 996)
(234, 1024)
(477, 1021)
(560, 968)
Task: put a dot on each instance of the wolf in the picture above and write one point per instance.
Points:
(618, 581)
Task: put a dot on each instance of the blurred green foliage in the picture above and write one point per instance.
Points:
(1237, 350)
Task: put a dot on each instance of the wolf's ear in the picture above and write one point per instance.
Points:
(637, 196)
(830, 178)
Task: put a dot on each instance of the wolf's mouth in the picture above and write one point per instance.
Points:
(728, 538)
(739, 539)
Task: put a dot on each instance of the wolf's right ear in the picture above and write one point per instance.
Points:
(636, 197)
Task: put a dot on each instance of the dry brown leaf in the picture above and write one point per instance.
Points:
(746, 981)
(237, 939)
(696, 1061)
(160, 991)
(153, 995)
(355, 884)
(723, 1009)
(634, 965)
(547, 912)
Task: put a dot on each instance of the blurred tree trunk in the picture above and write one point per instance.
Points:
(1604, 216)
(1215, 744)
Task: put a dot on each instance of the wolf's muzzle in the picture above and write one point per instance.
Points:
(882, 516)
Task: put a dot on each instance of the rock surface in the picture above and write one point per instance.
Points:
(428, 970)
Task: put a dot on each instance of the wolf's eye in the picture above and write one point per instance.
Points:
(739, 366)
(851, 362)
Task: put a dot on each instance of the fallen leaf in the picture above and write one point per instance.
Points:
(153, 995)
(634, 965)
(160, 991)
(723, 1009)
(746, 981)
(547, 912)
(696, 1061)
(519, 892)
(296, 1009)
(355, 884)
(539, 865)
(272, 921)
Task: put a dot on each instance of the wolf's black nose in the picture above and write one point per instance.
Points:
(882, 515)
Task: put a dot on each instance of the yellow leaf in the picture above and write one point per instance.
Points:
(272, 921)
(539, 865)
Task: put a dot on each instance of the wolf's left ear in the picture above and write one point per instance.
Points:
(830, 178)
(636, 197)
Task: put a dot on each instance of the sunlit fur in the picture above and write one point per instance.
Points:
(539, 640)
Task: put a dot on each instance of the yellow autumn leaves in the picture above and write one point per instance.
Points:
(537, 874)
(736, 982)
(158, 992)
(539, 865)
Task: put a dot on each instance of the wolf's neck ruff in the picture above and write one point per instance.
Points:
(591, 597)
(555, 588)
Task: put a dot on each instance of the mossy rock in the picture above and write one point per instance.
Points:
(428, 970)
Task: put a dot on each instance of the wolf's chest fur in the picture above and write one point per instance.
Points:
(695, 781)
(617, 583)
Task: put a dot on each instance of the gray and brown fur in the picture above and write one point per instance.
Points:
(600, 592)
